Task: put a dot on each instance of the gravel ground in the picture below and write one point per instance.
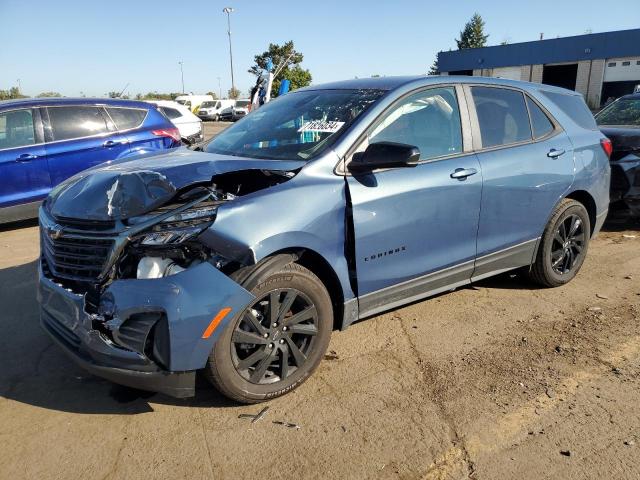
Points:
(498, 380)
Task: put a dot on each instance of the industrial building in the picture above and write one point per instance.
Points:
(601, 66)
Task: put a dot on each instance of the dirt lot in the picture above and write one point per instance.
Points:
(498, 380)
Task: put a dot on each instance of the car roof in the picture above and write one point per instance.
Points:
(393, 83)
(631, 96)
(37, 102)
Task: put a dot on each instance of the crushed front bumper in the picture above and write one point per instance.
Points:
(161, 356)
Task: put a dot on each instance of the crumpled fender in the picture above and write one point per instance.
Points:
(191, 300)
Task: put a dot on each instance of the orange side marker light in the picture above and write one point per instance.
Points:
(216, 321)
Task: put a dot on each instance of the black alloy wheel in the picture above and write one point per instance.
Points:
(274, 337)
(568, 244)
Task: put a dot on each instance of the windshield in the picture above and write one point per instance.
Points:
(208, 104)
(296, 126)
(622, 112)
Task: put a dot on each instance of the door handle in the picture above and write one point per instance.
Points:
(553, 153)
(26, 157)
(112, 143)
(463, 173)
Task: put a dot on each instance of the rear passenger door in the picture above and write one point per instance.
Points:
(80, 137)
(527, 166)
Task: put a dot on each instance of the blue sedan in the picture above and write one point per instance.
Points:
(46, 141)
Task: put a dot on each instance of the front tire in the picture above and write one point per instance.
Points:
(563, 246)
(275, 344)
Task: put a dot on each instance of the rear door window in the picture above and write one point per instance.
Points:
(574, 107)
(16, 129)
(502, 116)
(127, 118)
(541, 124)
(170, 113)
(429, 120)
(76, 122)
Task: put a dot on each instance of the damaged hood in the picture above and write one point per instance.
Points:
(129, 187)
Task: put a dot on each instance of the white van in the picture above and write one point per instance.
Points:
(210, 110)
(190, 126)
(193, 102)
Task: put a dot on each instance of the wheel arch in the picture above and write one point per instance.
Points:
(589, 203)
(320, 267)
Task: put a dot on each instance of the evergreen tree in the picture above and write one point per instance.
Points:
(435, 68)
(473, 34)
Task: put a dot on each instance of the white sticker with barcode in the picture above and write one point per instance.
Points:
(321, 126)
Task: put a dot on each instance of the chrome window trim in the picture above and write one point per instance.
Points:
(34, 128)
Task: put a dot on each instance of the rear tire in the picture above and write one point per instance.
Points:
(563, 246)
(290, 340)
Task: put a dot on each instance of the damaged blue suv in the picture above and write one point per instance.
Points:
(326, 206)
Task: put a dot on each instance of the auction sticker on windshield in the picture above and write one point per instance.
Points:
(321, 126)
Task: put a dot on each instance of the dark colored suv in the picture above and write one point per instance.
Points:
(44, 141)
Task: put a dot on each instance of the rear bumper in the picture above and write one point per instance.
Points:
(147, 334)
(625, 182)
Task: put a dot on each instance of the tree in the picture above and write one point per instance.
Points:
(473, 34)
(435, 68)
(48, 94)
(10, 94)
(233, 93)
(213, 94)
(289, 59)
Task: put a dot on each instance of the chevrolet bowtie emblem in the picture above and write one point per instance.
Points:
(54, 232)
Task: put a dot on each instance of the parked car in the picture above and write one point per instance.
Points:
(189, 125)
(236, 111)
(212, 110)
(620, 122)
(44, 141)
(328, 205)
(193, 102)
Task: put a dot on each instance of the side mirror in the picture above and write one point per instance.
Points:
(384, 155)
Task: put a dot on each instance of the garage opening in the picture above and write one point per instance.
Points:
(468, 73)
(613, 90)
(561, 75)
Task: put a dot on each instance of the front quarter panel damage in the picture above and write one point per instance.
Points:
(190, 299)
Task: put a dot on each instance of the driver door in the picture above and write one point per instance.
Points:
(415, 228)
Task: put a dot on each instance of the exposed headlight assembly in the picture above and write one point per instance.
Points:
(176, 225)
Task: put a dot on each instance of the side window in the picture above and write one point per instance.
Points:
(217, 105)
(170, 113)
(574, 107)
(502, 115)
(127, 118)
(16, 129)
(76, 122)
(429, 120)
(539, 121)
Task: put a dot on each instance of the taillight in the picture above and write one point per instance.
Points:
(607, 146)
(168, 132)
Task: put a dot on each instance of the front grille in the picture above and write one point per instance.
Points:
(73, 258)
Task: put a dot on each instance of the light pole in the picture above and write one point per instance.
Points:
(228, 11)
(181, 75)
(220, 88)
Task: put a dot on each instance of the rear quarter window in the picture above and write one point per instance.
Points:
(170, 113)
(127, 118)
(574, 107)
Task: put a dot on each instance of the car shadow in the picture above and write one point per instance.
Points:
(32, 222)
(620, 220)
(36, 372)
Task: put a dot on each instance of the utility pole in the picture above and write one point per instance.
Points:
(228, 11)
(220, 88)
(182, 75)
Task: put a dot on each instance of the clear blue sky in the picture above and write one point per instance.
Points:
(90, 46)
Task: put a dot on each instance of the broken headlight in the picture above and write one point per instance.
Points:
(178, 227)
